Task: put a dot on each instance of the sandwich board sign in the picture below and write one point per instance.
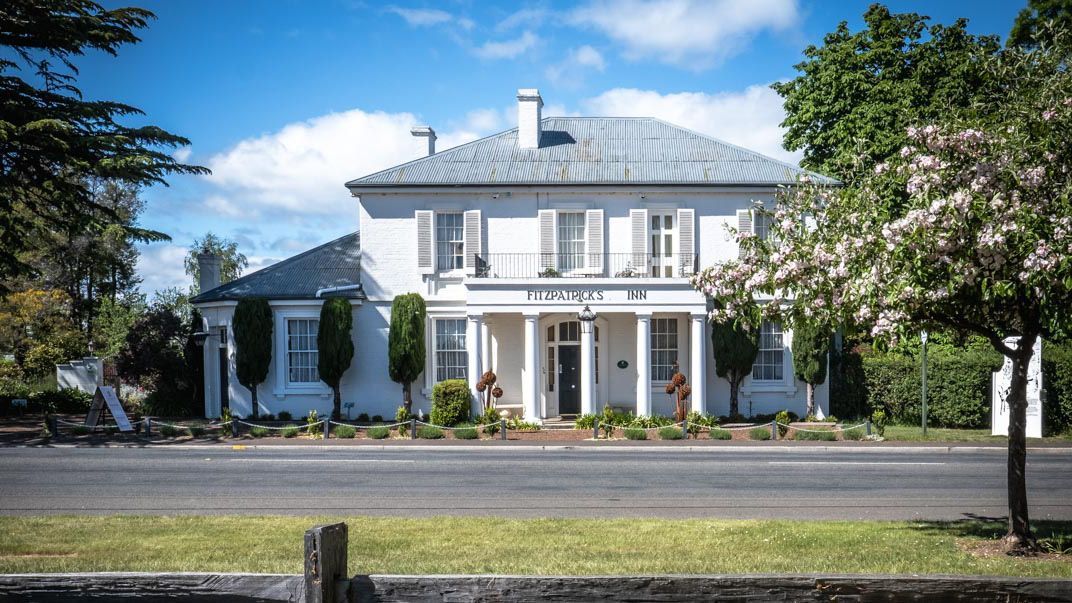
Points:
(1001, 384)
(106, 402)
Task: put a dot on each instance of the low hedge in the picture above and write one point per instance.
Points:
(451, 401)
(670, 433)
(720, 434)
(823, 435)
(759, 433)
(345, 432)
(1057, 379)
(635, 433)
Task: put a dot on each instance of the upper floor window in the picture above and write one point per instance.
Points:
(769, 364)
(570, 241)
(663, 348)
(302, 354)
(761, 225)
(450, 240)
(451, 358)
(662, 244)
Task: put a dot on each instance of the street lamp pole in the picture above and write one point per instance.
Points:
(923, 375)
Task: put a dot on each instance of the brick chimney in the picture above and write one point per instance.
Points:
(529, 112)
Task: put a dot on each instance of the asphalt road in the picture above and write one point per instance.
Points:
(727, 483)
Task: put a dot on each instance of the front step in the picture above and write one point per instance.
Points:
(559, 423)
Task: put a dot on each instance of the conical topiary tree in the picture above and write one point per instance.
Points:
(405, 343)
(335, 346)
(810, 346)
(735, 348)
(252, 326)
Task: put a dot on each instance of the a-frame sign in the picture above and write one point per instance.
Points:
(106, 402)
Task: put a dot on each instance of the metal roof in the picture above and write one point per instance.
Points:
(333, 264)
(593, 151)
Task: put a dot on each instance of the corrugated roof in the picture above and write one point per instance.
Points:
(594, 151)
(333, 264)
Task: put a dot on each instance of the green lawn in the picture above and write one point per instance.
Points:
(914, 433)
(508, 546)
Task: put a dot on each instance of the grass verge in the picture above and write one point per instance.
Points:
(447, 545)
(914, 433)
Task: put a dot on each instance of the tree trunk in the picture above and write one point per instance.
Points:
(336, 411)
(253, 390)
(407, 399)
(735, 386)
(811, 400)
(1019, 537)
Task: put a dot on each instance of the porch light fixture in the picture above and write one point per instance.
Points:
(200, 337)
(587, 317)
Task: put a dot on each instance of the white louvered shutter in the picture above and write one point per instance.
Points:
(593, 241)
(686, 241)
(425, 241)
(472, 240)
(547, 239)
(638, 218)
(744, 225)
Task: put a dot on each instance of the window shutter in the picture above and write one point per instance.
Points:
(547, 239)
(686, 241)
(744, 225)
(425, 241)
(472, 240)
(593, 231)
(639, 220)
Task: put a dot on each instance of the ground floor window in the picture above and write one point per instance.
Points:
(302, 354)
(769, 362)
(663, 348)
(451, 358)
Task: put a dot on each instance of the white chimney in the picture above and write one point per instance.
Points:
(429, 133)
(529, 106)
(208, 265)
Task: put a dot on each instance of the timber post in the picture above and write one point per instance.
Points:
(326, 580)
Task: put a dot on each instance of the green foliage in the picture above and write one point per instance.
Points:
(168, 431)
(289, 431)
(335, 346)
(429, 432)
(1057, 379)
(858, 92)
(848, 390)
(635, 433)
(783, 419)
(735, 347)
(759, 433)
(810, 343)
(607, 429)
(405, 342)
(697, 421)
(822, 435)
(451, 402)
(196, 431)
(1037, 23)
(344, 432)
(519, 424)
(378, 433)
(651, 421)
(879, 420)
(491, 420)
(314, 425)
(36, 328)
(856, 433)
(68, 400)
(258, 431)
(402, 415)
(284, 415)
(377, 418)
(466, 433)
(155, 357)
(585, 421)
(232, 261)
(226, 416)
(252, 325)
(670, 433)
(81, 430)
(363, 418)
(720, 434)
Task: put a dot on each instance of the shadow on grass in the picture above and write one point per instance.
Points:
(1053, 536)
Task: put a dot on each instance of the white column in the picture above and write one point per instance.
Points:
(698, 362)
(530, 380)
(485, 346)
(475, 365)
(643, 365)
(588, 369)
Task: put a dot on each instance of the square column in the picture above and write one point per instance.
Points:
(643, 365)
(474, 355)
(588, 369)
(530, 379)
(698, 362)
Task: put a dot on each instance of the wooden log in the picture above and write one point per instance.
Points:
(325, 564)
(151, 588)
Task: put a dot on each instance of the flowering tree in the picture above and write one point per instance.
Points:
(968, 228)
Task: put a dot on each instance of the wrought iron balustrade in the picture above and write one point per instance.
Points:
(585, 265)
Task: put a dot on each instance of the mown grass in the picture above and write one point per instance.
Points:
(914, 433)
(445, 545)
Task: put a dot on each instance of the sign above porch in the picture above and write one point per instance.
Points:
(637, 295)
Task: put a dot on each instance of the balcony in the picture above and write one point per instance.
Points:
(585, 265)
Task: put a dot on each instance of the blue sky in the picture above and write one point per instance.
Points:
(287, 100)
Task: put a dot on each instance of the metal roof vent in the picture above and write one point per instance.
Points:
(426, 132)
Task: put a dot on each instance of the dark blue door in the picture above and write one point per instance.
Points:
(569, 379)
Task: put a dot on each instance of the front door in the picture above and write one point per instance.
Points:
(569, 379)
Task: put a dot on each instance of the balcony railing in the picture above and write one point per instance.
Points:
(585, 265)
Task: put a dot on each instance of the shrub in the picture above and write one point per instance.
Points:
(363, 418)
(822, 435)
(878, 418)
(378, 433)
(290, 431)
(429, 432)
(1057, 379)
(284, 415)
(66, 400)
(402, 415)
(670, 433)
(490, 420)
(168, 431)
(607, 429)
(80, 430)
(635, 433)
(258, 431)
(856, 433)
(783, 419)
(720, 434)
(652, 421)
(377, 418)
(466, 433)
(759, 433)
(451, 402)
(345, 432)
(585, 421)
(518, 424)
(313, 424)
(196, 431)
(111, 430)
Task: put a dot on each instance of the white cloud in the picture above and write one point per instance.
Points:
(570, 72)
(748, 118)
(181, 154)
(509, 49)
(422, 17)
(526, 17)
(690, 33)
(160, 266)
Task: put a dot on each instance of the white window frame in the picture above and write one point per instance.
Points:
(582, 241)
(280, 357)
(667, 253)
(315, 351)
(675, 348)
(436, 351)
(458, 256)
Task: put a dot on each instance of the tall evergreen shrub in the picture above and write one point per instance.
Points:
(253, 344)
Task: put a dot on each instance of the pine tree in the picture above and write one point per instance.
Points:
(405, 343)
(810, 346)
(253, 343)
(335, 345)
(735, 349)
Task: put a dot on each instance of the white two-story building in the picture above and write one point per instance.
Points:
(508, 238)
